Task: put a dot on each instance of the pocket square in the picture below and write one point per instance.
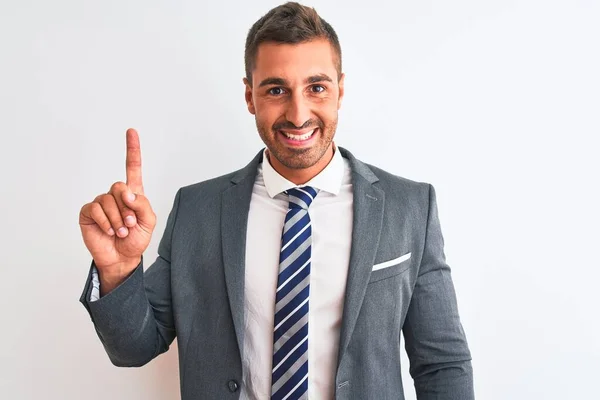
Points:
(390, 263)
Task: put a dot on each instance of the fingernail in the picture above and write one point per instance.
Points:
(123, 231)
(111, 231)
(130, 196)
(129, 220)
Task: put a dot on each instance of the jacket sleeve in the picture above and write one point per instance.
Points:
(135, 320)
(440, 360)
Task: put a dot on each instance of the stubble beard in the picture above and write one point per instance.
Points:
(298, 158)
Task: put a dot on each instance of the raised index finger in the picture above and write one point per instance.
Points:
(133, 162)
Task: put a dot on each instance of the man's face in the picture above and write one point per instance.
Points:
(295, 96)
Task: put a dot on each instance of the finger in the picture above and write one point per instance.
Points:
(141, 206)
(92, 213)
(133, 162)
(111, 209)
(127, 214)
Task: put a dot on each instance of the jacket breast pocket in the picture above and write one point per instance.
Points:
(390, 268)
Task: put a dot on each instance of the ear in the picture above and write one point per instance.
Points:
(249, 99)
(341, 90)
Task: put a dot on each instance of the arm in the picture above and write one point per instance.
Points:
(134, 321)
(440, 360)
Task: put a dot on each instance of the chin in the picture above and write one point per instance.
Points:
(300, 158)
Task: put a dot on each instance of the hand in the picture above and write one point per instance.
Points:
(117, 226)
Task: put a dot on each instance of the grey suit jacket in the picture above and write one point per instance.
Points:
(195, 291)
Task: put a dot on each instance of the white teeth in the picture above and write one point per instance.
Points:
(299, 137)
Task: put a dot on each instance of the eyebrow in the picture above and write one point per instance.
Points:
(282, 82)
(318, 78)
(273, 81)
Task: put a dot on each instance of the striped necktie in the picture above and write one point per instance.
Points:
(290, 337)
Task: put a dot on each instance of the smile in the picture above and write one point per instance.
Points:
(299, 138)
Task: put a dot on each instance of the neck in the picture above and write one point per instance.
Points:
(303, 175)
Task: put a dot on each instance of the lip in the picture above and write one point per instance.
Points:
(298, 131)
(298, 143)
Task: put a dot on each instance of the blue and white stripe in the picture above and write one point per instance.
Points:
(290, 333)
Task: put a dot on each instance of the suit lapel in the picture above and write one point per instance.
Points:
(235, 204)
(367, 221)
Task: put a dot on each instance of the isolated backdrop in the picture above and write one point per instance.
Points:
(496, 103)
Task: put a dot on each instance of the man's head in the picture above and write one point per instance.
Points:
(294, 85)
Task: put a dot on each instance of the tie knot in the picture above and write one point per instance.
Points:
(301, 197)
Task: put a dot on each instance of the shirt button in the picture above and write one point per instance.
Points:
(233, 386)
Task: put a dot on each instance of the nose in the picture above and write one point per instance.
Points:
(298, 110)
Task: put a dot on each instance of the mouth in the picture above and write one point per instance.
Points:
(298, 138)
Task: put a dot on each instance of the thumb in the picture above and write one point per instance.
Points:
(140, 206)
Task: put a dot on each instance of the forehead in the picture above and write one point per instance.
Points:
(294, 61)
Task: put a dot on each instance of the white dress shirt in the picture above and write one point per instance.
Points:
(331, 216)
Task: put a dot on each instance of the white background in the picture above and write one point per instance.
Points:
(496, 103)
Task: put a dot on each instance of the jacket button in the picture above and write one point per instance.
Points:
(233, 386)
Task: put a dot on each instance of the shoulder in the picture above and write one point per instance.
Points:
(404, 197)
(393, 181)
(401, 190)
(218, 184)
(211, 189)
(208, 190)
(394, 186)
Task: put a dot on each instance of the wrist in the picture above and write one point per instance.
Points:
(112, 276)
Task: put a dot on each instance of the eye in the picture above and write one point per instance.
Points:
(276, 91)
(317, 88)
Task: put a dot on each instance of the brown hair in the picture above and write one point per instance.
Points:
(290, 23)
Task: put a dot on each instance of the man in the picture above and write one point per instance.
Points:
(294, 276)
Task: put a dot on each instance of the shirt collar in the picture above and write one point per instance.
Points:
(329, 180)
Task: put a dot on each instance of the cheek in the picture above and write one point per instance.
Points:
(268, 112)
(327, 113)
